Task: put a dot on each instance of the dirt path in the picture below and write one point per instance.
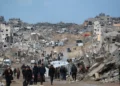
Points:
(65, 83)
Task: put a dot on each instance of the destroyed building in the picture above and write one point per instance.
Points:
(5, 33)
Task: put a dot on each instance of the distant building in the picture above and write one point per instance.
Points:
(98, 32)
(5, 32)
(14, 20)
(97, 28)
(2, 19)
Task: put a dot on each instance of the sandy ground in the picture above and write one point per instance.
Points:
(64, 83)
(19, 82)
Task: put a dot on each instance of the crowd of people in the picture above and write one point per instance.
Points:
(32, 75)
(36, 74)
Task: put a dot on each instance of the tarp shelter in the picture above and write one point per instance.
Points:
(59, 63)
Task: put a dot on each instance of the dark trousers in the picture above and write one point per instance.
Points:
(58, 75)
(23, 76)
(74, 76)
(51, 79)
(64, 76)
(35, 79)
(42, 79)
(18, 76)
(8, 82)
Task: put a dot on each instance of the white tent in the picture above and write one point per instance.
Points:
(59, 63)
(46, 73)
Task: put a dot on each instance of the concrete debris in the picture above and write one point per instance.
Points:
(96, 70)
(96, 53)
(94, 66)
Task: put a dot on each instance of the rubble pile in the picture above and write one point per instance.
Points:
(103, 66)
(105, 71)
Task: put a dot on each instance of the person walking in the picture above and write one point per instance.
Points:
(41, 72)
(23, 66)
(23, 72)
(35, 73)
(8, 76)
(28, 75)
(51, 73)
(14, 72)
(58, 72)
(63, 72)
(74, 72)
(18, 73)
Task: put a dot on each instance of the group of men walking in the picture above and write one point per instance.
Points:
(37, 74)
(32, 76)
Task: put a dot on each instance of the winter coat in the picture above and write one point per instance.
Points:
(74, 69)
(28, 75)
(8, 75)
(35, 70)
(63, 70)
(23, 72)
(52, 71)
(41, 70)
(23, 66)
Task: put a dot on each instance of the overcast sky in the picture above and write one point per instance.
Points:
(54, 11)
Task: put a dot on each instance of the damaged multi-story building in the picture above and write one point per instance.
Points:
(5, 33)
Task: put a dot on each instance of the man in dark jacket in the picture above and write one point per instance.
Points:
(63, 72)
(23, 66)
(35, 73)
(41, 71)
(74, 72)
(8, 76)
(28, 75)
(51, 73)
(23, 72)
